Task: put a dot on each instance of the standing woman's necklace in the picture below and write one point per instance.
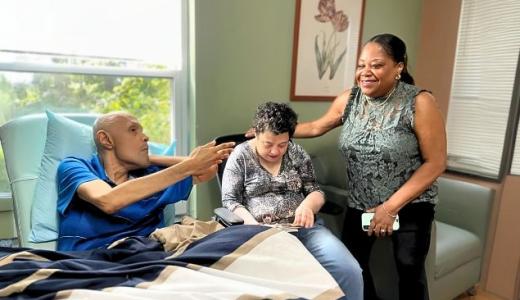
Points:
(372, 101)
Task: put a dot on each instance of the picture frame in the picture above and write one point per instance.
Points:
(326, 45)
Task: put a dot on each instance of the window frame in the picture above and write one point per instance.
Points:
(513, 125)
(179, 106)
(509, 132)
(510, 142)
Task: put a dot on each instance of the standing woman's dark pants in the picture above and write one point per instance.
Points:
(411, 243)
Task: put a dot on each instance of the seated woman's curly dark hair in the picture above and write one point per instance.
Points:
(275, 117)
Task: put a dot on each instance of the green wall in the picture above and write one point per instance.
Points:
(240, 56)
(400, 17)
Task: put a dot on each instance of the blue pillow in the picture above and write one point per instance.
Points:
(161, 149)
(65, 137)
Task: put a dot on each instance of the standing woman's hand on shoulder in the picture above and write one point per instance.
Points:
(250, 133)
(330, 120)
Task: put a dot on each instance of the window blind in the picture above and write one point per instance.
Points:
(482, 86)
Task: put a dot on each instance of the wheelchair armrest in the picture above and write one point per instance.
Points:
(334, 197)
(226, 217)
(331, 208)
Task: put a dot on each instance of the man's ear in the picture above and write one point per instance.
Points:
(104, 139)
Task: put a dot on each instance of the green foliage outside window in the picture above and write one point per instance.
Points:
(146, 98)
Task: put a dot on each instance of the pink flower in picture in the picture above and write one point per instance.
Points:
(326, 47)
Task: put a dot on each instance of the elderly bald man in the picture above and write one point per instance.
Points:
(122, 191)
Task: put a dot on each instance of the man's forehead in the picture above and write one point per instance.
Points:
(125, 119)
(116, 120)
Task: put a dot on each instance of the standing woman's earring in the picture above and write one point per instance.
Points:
(398, 77)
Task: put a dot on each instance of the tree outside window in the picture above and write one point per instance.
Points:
(149, 99)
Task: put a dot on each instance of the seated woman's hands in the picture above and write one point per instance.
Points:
(303, 216)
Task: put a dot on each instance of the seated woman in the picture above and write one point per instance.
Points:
(270, 179)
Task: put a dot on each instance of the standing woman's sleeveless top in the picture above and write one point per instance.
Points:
(380, 147)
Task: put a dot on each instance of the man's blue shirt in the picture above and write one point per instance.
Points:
(83, 226)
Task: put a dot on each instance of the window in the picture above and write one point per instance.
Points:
(515, 166)
(98, 35)
(482, 87)
(94, 56)
(148, 98)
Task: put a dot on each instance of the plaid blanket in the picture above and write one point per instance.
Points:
(238, 262)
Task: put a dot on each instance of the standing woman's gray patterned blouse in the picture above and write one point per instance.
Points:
(246, 183)
(380, 147)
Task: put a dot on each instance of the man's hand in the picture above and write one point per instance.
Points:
(303, 216)
(206, 156)
(207, 175)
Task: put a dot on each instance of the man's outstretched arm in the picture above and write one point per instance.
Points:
(112, 199)
(166, 161)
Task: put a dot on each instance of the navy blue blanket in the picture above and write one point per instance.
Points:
(231, 263)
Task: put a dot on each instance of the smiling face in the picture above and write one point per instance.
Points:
(271, 147)
(376, 71)
(122, 135)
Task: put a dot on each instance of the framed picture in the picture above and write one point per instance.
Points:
(325, 49)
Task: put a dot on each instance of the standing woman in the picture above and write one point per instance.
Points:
(394, 143)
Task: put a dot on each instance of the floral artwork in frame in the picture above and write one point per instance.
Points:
(325, 48)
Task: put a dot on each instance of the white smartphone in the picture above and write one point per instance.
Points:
(367, 217)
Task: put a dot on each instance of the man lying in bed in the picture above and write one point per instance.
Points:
(122, 191)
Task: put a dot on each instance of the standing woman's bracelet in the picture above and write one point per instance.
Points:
(387, 213)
